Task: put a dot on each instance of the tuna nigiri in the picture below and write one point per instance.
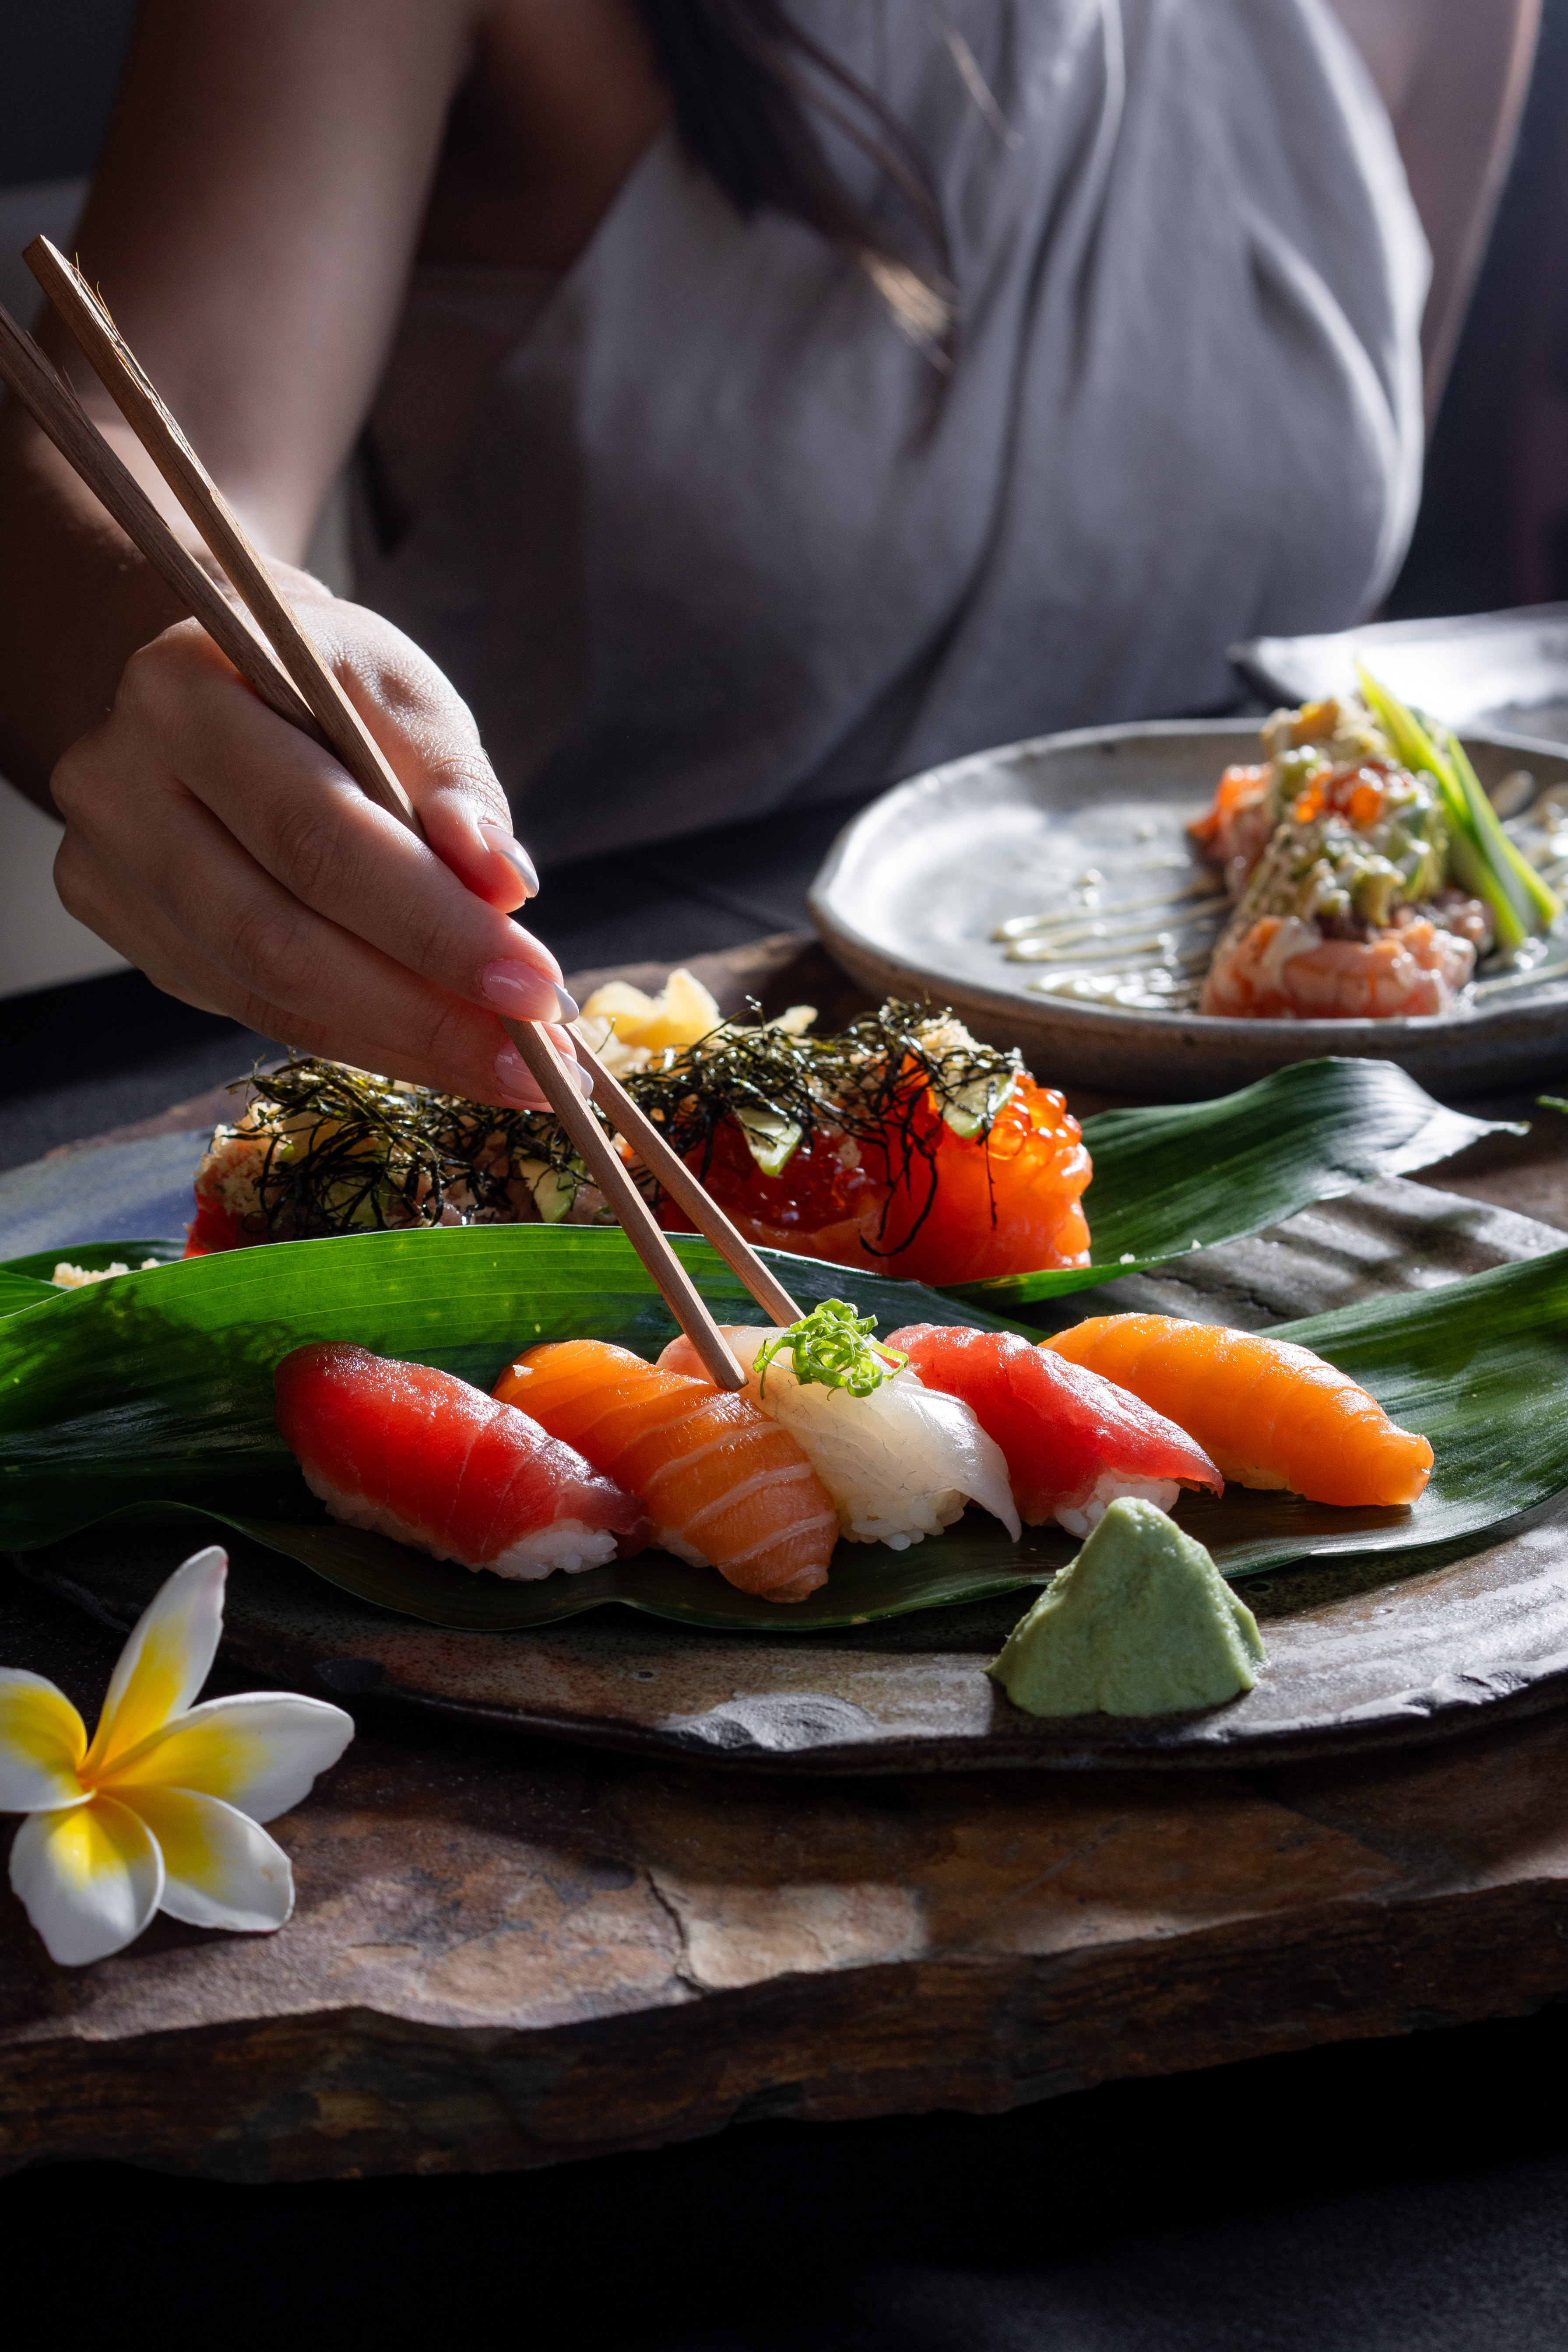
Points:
(898, 1460)
(1073, 1441)
(723, 1486)
(419, 1455)
(1271, 1414)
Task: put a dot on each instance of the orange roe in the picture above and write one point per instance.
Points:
(1238, 788)
(1004, 1203)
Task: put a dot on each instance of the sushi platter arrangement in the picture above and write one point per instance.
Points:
(423, 1347)
(1177, 908)
(457, 1408)
(1365, 1644)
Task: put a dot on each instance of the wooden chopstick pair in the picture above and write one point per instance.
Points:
(266, 643)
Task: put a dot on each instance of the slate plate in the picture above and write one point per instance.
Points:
(1505, 671)
(913, 889)
(1363, 1652)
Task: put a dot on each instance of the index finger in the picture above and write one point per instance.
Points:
(305, 822)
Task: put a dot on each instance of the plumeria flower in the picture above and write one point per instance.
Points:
(162, 1812)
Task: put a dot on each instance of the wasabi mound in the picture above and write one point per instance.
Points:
(1141, 1622)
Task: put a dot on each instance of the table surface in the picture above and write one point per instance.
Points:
(506, 1954)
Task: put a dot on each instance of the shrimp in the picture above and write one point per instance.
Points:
(1282, 969)
(1235, 830)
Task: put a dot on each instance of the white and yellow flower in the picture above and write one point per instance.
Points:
(162, 1812)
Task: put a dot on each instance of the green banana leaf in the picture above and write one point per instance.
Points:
(155, 1390)
(26, 1281)
(93, 1256)
(18, 1290)
(1186, 1176)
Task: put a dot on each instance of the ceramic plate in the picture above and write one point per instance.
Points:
(914, 888)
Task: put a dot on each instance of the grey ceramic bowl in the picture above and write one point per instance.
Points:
(913, 889)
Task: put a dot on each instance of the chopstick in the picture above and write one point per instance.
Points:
(345, 734)
(324, 708)
(56, 410)
(344, 730)
(665, 1164)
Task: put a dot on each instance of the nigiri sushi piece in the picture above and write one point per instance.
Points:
(1271, 1415)
(1073, 1441)
(899, 1462)
(420, 1456)
(723, 1484)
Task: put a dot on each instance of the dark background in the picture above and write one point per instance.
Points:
(1378, 2197)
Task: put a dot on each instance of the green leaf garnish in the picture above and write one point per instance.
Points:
(831, 1346)
(1482, 858)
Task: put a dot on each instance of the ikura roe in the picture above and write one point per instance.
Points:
(914, 1198)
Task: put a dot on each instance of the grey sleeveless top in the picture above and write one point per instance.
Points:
(711, 535)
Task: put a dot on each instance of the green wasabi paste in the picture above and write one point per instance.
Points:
(1141, 1622)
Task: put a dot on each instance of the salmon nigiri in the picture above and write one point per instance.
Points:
(1271, 1414)
(723, 1484)
(898, 1461)
(421, 1456)
(1073, 1441)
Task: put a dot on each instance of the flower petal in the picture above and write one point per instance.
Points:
(42, 1742)
(220, 1869)
(166, 1660)
(90, 1877)
(260, 1752)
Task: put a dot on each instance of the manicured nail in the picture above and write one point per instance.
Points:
(516, 856)
(513, 1075)
(569, 1005)
(517, 1080)
(519, 991)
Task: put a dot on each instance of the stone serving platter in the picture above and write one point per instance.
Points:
(913, 887)
(1364, 1652)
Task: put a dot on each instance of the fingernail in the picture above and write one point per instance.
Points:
(516, 856)
(515, 1079)
(518, 989)
(569, 1005)
(512, 1074)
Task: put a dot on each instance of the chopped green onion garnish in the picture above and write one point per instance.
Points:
(831, 1346)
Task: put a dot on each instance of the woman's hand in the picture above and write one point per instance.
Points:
(241, 867)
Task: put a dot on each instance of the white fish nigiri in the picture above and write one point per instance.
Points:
(899, 1462)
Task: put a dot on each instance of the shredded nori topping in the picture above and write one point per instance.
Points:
(867, 1085)
(346, 1151)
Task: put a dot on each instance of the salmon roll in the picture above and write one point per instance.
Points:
(724, 1487)
(1271, 1415)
